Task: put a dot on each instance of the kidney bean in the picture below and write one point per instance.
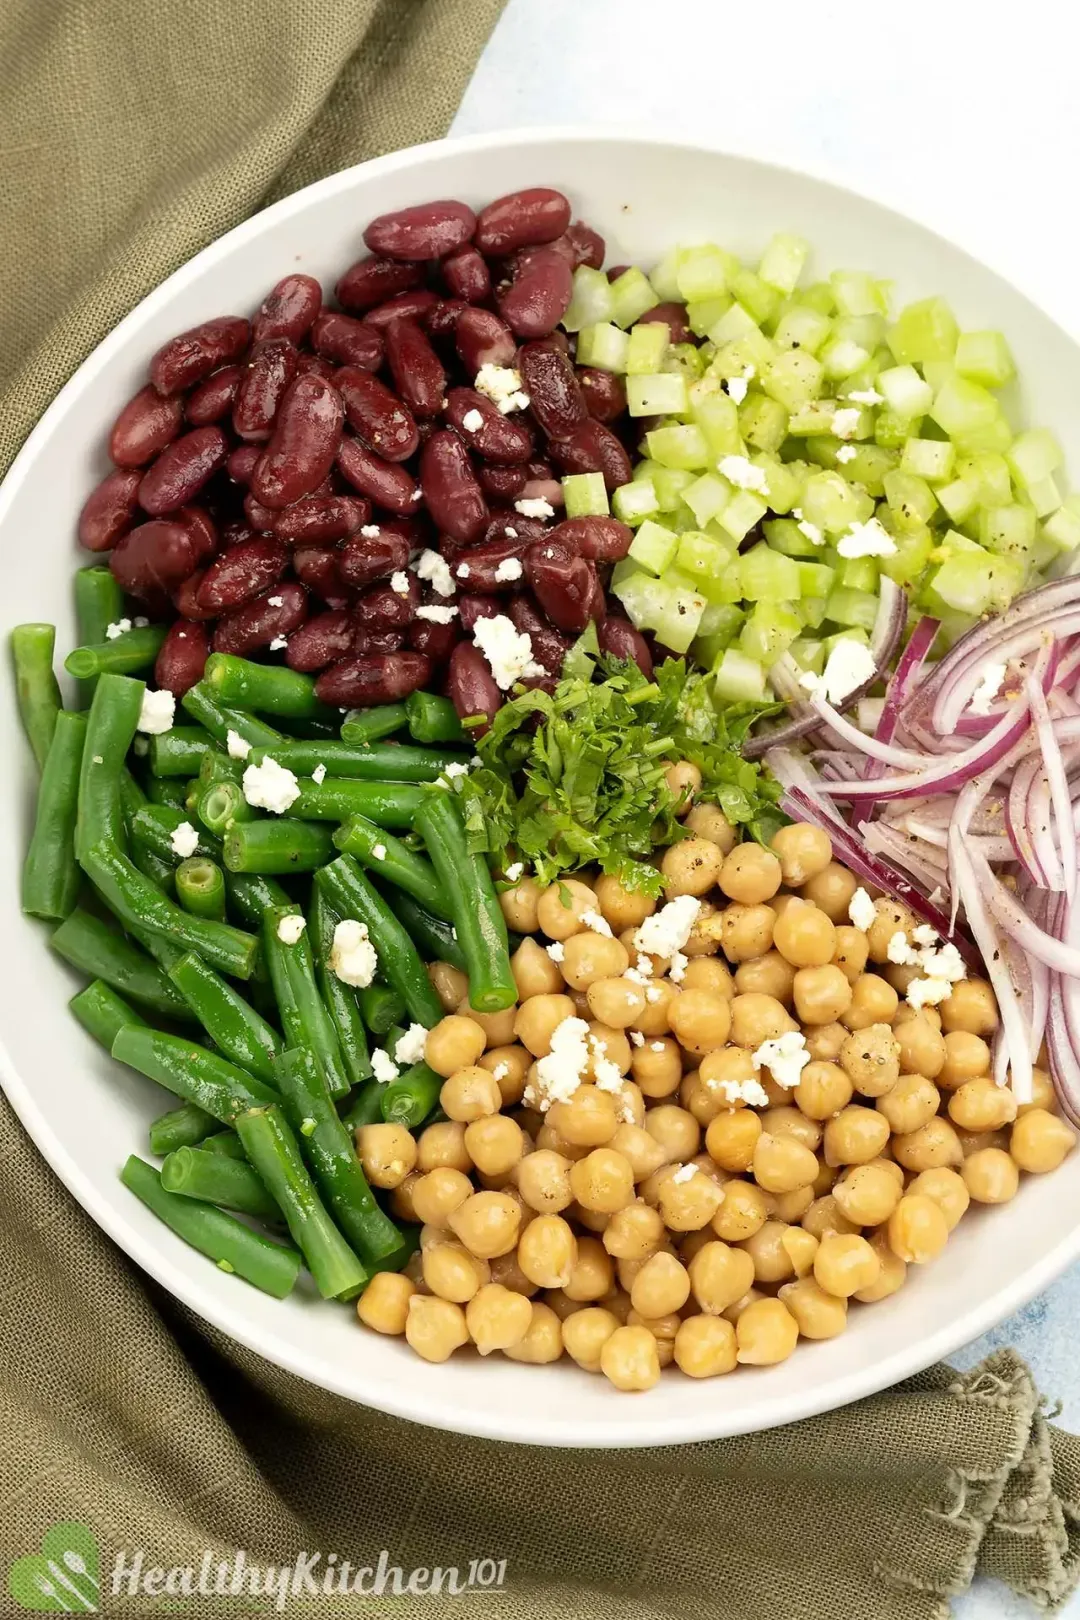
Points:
(269, 372)
(193, 355)
(305, 441)
(242, 572)
(597, 599)
(501, 483)
(313, 365)
(319, 520)
(321, 641)
(555, 398)
(417, 306)
(598, 539)
(589, 246)
(240, 463)
(592, 447)
(381, 419)
(453, 497)
(318, 569)
(154, 557)
(109, 509)
(544, 489)
(233, 532)
(426, 231)
(549, 646)
(372, 281)
(673, 316)
(618, 637)
(181, 657)
(498, 438)
(365, 558)
(471, 687)
(437, 641)
(147, 423)
(184, 597)
(467, 276)
(288, 310)
(482, 339)
(519, 261)
(512, 526)
(562, 584)
(383, 482)
(604, 393)
(260, 517)
(277, 612)
(182, 470)
(202, 529)
(441, 321)
(211, 401)
(383, 608)
(484, 562)
(521, 219)
(347, 341)
(373, 678)
(378, 641)
(471, 608)
(415, 367)
(539, 295)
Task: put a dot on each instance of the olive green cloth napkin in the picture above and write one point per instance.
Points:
(131, 133)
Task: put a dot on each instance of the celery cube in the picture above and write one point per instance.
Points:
(639, 594)
(1062, 528)
(743, 357)
(717, 416)
(707, 496)
(739, 679)
(759, 299)
(741, 513)
(686, 359)
(631, 296)
(809, 654)
(815, 417)
(891, 431)
(938, 372)
(783, 488)
(783, 261)
(811, 610)
(769, 631)
(913, 552)
(704, 560)
(868, 467)
(635, 501)
(1044, 496)
(963, 407)
(662, 277)
(705, 271)
(793, 379)
(831, 503)
(959, 498)
(856, 293)
(843, 358)
(737, 322)
(975, 581)
(721, 619)
(858, 573)
(1034, 455)
(815, 579)
(931, 459)
(592, 299)
(984, 357)
(763, 422)
(911, 500)
(603, 345)
(669, 483)
(679, 612)
(906, 393)
(851, 607)
(646, 346)
(995, 437)
(923, 331)
(1008, 530)
(820, 296)
(662, 394)
(705, 312)
(784, 535)
(683, 446)
(801, 327)
(768, 575)
(586, 495)
(654, 547)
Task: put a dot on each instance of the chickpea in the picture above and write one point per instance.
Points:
(743, 1212)
(892, 1275)
(873, 1001)
(487, 1223)
(547, 1251)
(683, 781)
(824, 1216)
(831, 889)
(704, 1347)
(749, 874)
(851, 952)
(677, 1131)
(826, 1178)
(586, 1119)
(910, 1104)
(561, 907)
(731, 1139)
(510, 1066)
(709, 973)
(535, 974)
(520, 905)
(616, 1001)
(765, 1333)
(387, 1152)
(819, 1315)
(967, 1057)
(922, 1047)
(449, 983)
(619, 906)
(401, 1199)
(719, 1275)
(823, 1090)
(772, 1263)
(701, 1020)
(890, 918)
(660, 1287)
(1039, 1141)
(498, 1027)
(980, 1105)
(946, 1188)
(507, 1273)
(630, 1359)
(845, 1263)
(688, 1205)
(867, 1194)
(436, 1195)
(443, 1145)
(497, 1317)
(792, 1206)
(972, 1007)
(585, 1333)
(537, 1020)
(990, 1176)
(823, 1042)
(767, 975)
(800, 1247)
(709, 821)
(610, 1044)
(455, 1043)
(602, 1181)
(543, 1339)
(803, 851)
(917, 1229)
(660, 997)
(1043, 1094)
(727, 1066)
(870, 1057)
(821, 994)
(691, 866)
(804, 935)
(593, 1275)
(755, 1019)
(470, 1094)
(634, 1232)
(855, 1135)
(931, 1146)
(384, 1304)
(644, 1154)
(901, 975)
(435, 1327)
(704, 938)
(451, 1272)
(589, 956)
(746, 931)
(657, 1067)
(543, 1180)
(782, 1164)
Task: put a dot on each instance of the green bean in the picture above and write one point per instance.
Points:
(366, 1107)
(221, 805)
(101, 1012)
(238, 683)
(200, 887)
(224, 1142)
(331, 1155)
(391, 804)
(167, 790)
(137, 903)
(102, 952)
(351, 895)
(275, 847)
(304, 1018)
(386, 857)
(191, 1072)
(249, 895)
(218, 767)
(380, 1006)
(50, 874)
(409, 1099)
(125, 654)
(233, 1246)
(181, 1127)
(433, 719)
(159, 872)
(154, 825)
(338, 997)
(310, 730)
(181, 751)
(434, 937)
(215, 1178)
(377, 762)
(103, 778)
(368, 725)
(478, 918)
(201, 704)
(236, 1028)
(272, 1151)
(99, 602)
(36, 686)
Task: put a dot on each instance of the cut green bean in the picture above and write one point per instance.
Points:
(203, 707)
(191, 1072)
(236, 683)
(168, 790)
(236, 1028)
(366, 1107)
(36, 687)
(218, 767)
(311, 731)
(181, 1127)
(433, 719)
(50, 874)
(158, 871)
(102, 1013)
(478, 918)
(225, 1142)
(125, 654)
(276, 847)
(200, 887)
(304, 1017)
(90, 945)
(273, 1152)
(386, 857)
(215, 1178)
(380, 1006)
(270, 1266)
(351, 895)
(409, 1099)
(391, 804)
(99, 602)
(249, 895)
(378, 762)
(221, 805)
(154, 826)
(181, 751)
(331, 1154)
(103, 777)
(338, 997)
(368, 725)
(433, 937)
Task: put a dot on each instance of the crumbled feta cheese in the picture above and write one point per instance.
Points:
(644, 965)
(157, 712)
(370, 531)
(399, 583)
(668, 930)
(751, 1092)
(383, 1066)
(737, 386)
(270, 786)
(436, 615)
(290, 928)
(924, 935)
(741, 472)
(184, 840)
(849, 666)
(679, 965)
(898, 950)
(556, 951)
(278, 644)
(815, 535)
(464, 571)
(410, 1046)
(503, 386)
(436, 570)
(510, 568)
(534, 507)
(846, 453)
(378, 852)
(685, 1172)
(507, 650)
(928, 992)
(352, 955)
(559, 1072)
(140, 623)
(509, 533)
(238, 747)
(846, 422)
(118, 628)
(653, 992)
(599, 925)
(99, 759)
(785, 1058)
(637, 1037)
(473, 421)
(862, 910)
(947, 963)
(514, 871)
(499, 1072)
(866, 396)
(318, 775)
(275, 601)
(985, 694)
(607, 1076)
(867, 539)
(455, 768)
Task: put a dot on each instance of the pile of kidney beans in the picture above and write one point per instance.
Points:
(275, 474)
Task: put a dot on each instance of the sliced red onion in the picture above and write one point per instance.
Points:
(994, 964)
(1057, 780)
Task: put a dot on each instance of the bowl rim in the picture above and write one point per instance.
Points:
(407, 1399)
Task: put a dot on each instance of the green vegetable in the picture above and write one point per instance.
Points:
(217, 1178)
(181, 1127)
(36, 689)
(200, 887)
(51, 876)
(99, 602)
(102, 1013)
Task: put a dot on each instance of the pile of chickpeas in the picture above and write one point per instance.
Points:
(661, 1222)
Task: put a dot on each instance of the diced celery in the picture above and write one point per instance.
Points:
(769, 631)
(604, 345)
(1062, 528)
(962, 407)
(744, 357)
(661, 394)
(679, 611)
(811, 610)
(639, 594)
(705, 312)
(913, 552)
(820, 296)
(1044, 496)
(831, 503)
(662, 277)
(975, 581)
(707, 496)
(830, 644)
(759, 299)
(911, 500)
(784, 535)
(721, 619)
(924, 331)
(809, 654)
(631, 296)
(686, 359)
(858, 573)
(585, 494)
(635, 501)
(801, 327)
(891, 431)
(1034, 455)
(852, 607)
(741, 513)
(1009, 531)
(683, 445)
(821, 450)
(704, 560)
(868, 331)
(856, 293)
(592, 299)
(654, 546)
(868, 467)
(906, 393)
(783, 261)
(995, 437)
(739, 679)
(669, 483)
(646, 346)
(959, 498)
(842, 358)
(762, 421)
(768, 575)
(783, 488)
(717, 415)
(931, 459)
(794, 378)
(815, 579)
(985, 358)
(702, 272)
(938, 372)
(735, 323)
(814, 417)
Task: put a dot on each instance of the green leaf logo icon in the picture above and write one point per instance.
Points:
(63, 1578)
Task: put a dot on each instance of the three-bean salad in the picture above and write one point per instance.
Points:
(406, 818)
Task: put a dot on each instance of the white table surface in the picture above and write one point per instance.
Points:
(963, 116)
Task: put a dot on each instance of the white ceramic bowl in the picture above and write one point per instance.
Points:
(87, 1113)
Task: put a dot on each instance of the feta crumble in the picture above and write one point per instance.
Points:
(290, 928)
(928, 992)
(637, 1038)
(685, 1172)
(846, 422)
(455, 768)
(118, 628)
(275, 601)
(464, 571)
(846, 453)
(319, 774)
(238, 747)
(157, 712)
(435, 570)
(751, 1092)
(436, 615)
(556, 950)
(862, 910)
(534, 507)
(849, 666)
(815, 535)
(607, 1076)
(378, 852)
(866, 396)
(410, 1046)
(473, 421)
(507, 650)
(514, 871)
(785, 1057)
(184, 840)
(679, 965)
(399, 583)
(668, 930)
(866, 540)
(899, 950)
(559, 1073)
(741, 472)
(599, 925)
(270, 786)
(985, 694)
(370, 531)
(510, 568)
(352, 956)
(278, 644)
(503, 386)
(383, 1066)
(737, 386)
